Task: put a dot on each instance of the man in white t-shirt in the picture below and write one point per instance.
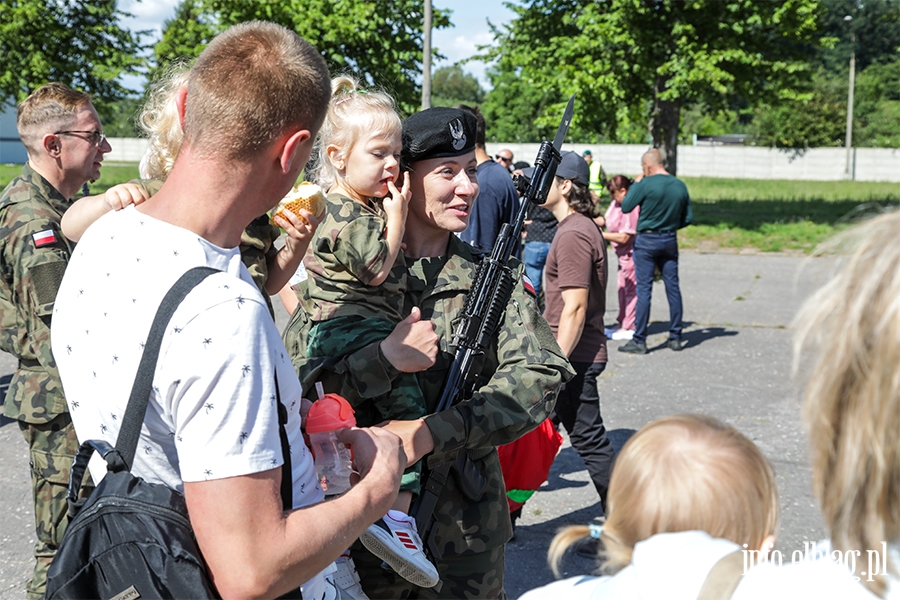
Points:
(254, 102)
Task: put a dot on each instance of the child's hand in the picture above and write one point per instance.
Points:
(396, 203)
(299, 228)
(119, 196)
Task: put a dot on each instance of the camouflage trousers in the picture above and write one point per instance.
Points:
(52, 447)
(344, 335)
(476, 575)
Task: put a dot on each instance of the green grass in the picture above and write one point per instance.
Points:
(110, 175)
(778, 215)
(734, 214)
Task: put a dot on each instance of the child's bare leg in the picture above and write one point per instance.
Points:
(404, 499)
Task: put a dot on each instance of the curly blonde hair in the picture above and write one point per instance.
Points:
(352, 112)
(160, 122)
(683, 473)
(848, 338)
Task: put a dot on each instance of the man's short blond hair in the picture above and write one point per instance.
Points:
(848, 343)
(684, 473)
(249, 86)
(49, 108)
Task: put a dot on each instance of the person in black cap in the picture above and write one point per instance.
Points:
(519, 380)
(576, 274)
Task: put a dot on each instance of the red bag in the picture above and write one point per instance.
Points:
(526, 462)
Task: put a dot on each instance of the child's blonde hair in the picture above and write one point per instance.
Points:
(159, 120)
(683, 473)
(352, 112)
(849, 335)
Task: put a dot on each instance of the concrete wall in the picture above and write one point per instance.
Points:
(746, 162)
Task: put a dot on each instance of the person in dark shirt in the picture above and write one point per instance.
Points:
(497, 202)
(665, 208)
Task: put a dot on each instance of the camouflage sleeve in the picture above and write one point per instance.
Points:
(361, 247)
(36, 266)
(519, 394)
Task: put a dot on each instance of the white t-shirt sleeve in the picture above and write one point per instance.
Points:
(221, 396)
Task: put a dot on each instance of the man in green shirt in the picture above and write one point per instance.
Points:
(665, 208)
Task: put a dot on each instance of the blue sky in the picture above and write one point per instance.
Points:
(469, 18)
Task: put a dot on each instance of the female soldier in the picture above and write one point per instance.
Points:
(518, 383)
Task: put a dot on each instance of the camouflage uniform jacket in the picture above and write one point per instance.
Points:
(33, 258)
(520, 380)
(348, 250)
(257, 243)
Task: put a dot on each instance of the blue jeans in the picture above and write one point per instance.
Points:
(534, 257)
(652, 250)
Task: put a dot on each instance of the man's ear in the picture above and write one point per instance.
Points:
(180, 103)
(51, 144)
(294, 147)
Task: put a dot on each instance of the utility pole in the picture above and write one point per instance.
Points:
(426, 59)
(849, 138)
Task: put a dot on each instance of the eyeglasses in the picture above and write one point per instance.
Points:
(503, 158)
(95, 137)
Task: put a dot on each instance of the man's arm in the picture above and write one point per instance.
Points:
(571, 321)
(255, 550)
(633, 198)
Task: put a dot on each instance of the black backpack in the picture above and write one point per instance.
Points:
(132, 539)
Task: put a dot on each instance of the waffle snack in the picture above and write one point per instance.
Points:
(306, 195)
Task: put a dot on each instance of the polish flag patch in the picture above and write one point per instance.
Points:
(529, 287)
(44, 238)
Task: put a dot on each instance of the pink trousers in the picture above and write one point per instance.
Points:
(627, 292)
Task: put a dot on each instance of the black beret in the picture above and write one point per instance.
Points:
(438, 132)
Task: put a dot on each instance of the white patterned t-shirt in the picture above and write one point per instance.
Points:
(213, 409)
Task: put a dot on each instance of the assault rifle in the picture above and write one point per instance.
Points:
(484, 305)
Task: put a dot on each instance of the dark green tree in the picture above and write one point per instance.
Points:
(634, 59)
(451, 86)
(76, 42)
(379, 42)
(184, 36)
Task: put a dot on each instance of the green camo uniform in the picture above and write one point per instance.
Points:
(519, 382)
(33, 258)
(349, 313)
(257, 244)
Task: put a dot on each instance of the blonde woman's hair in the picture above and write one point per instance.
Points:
(683, 473)
(160, 122)
(353, 111)
(250, 85)
(848, 335)
(49, 108)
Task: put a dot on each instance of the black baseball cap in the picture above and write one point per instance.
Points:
(575, 168)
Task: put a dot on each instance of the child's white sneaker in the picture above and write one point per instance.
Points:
(396, 542)
(346, 579)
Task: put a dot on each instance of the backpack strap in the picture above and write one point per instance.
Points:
(723, 578)
(287, 474)
(126, 442)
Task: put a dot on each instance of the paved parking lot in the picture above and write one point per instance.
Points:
(736, 366)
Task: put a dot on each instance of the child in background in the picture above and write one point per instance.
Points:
(621, 228)
(691, 501)
(160, 121)
(357, 282)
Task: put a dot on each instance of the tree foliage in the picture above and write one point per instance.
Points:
(76, 42)
(380, 44)
(451, 86)
(645, 59)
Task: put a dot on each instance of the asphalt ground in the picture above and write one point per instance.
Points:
(736, 367)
